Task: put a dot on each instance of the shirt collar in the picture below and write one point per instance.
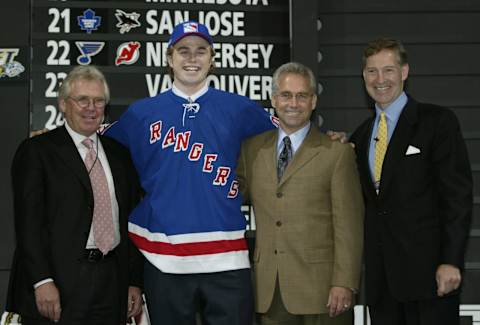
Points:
(77, 137)
(296, 137)
(193, 97)
(393, 110)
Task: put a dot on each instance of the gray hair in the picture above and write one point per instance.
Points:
(89, 73)
(295, 68)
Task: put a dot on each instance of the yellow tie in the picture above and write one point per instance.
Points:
(380, 147)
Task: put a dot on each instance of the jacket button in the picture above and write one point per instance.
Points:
(278, 223)
(279, 194)
(275, 252)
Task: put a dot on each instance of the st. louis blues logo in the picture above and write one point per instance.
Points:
(89, 22)
(87, 50)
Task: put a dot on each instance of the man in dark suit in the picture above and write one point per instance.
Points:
(307, 198)
(74, 263)
(417, 186)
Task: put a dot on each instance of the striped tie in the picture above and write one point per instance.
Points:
(380, 148)
(285, 157)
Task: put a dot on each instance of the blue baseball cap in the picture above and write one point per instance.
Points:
(189, 28)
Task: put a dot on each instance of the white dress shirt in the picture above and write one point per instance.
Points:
(296, 138)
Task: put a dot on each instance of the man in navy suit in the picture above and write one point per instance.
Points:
(59, 274)
(419, 205)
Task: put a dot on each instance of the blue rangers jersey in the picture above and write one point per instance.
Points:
(186, 154)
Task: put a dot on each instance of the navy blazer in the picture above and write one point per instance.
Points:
(53, 207)
(421, 216)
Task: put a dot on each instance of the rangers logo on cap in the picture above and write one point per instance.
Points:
(189, 28)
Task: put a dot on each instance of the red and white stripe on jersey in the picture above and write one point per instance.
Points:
(205, 252)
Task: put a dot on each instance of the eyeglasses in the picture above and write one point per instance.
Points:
(287, 96)
(84, 101)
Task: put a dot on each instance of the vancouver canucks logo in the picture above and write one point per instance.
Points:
(89, 22)
(87, 50)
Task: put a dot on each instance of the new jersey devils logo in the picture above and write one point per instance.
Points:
(128, 53)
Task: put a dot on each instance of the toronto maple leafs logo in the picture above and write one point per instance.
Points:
(89, 22)
(127, 20)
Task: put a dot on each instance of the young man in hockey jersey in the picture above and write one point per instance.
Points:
(185, 143)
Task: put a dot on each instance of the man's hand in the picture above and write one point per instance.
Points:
(448, 279)
(47, 298)
(339, 136)
(38, 132)
(340, 299)
(135, 301)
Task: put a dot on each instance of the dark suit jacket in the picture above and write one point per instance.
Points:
(53, 205)
(421, 217)
(309, 225)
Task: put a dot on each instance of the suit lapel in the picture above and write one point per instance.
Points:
(306, 151)
(363, 147)
(268, 152)
(398, 144)
(67, 151)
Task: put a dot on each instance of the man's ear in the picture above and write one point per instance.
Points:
(62, 105)
(314, 102)
(273, 101)
(405, 70)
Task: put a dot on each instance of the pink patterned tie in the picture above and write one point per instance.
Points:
(102, 212)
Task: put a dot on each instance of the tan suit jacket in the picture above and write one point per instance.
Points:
(309, 225)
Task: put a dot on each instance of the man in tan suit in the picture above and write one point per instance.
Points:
(309, 211)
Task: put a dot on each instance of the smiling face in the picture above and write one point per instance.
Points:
(190, 61)
(294, 102)
(384, 77)
(84, 120)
